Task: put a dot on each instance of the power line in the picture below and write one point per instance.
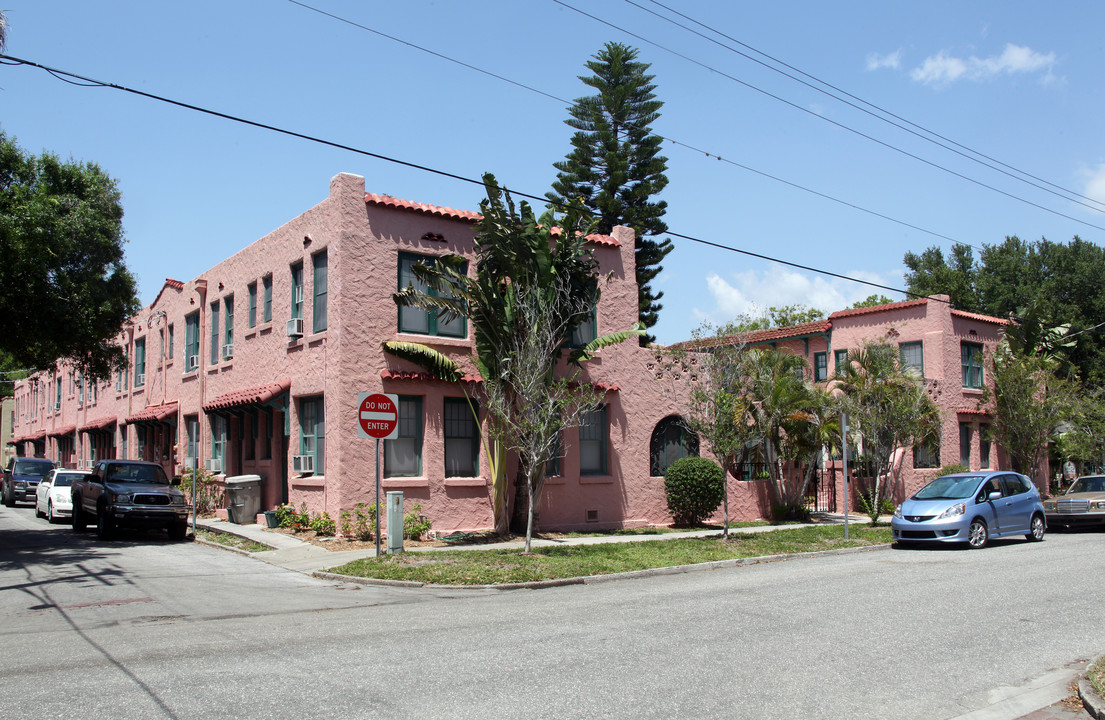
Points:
(310, 138)
(884, 111)
(842, 126)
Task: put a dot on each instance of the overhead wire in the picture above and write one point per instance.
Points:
(963, 151)
(823, 118)
(310, 138)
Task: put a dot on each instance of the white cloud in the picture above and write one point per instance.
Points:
(944, 69)
(892, 61)
(753, 291)
(1095, 183)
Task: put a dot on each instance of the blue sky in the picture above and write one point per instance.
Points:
(1017, 81)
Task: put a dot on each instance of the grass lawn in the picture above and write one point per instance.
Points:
(230, 540)
(1097, 676)
(486, 567)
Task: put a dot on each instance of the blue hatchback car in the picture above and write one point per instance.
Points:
(971, 508)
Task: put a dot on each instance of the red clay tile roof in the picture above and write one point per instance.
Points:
(154, 413)
(983, 318)
(99, 424)
(394, 202)
(877, 308)
(251, 396)
(414, 376)
(174, 283)
(454, 214)
(62, 431)
(759, 337)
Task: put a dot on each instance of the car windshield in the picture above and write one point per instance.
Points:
(32, 467)
(1088, 484)
(65, 479)
(949, 487)
(136, 474)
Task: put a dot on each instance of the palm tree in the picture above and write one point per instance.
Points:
(535, 280)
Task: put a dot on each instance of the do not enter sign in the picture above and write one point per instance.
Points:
(378, 416)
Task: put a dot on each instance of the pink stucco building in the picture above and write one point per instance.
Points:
(255, 366)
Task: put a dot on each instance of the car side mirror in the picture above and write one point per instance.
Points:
(993, 495)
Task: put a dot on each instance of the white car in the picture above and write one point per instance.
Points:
(53, 499)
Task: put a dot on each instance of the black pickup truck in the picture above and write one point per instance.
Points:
(21, 479)
(129, 493)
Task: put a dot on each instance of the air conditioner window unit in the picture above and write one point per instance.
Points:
(57, 406)
(228, 351)
(140, 380)
(214, 465)
(295, 327)
(191, 363)
(303, 464)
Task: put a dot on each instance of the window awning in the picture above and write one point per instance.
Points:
(259, 395)
(153, 413)
(99, 425)
(62, 431)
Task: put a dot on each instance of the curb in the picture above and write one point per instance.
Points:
(1093, 703)
(596, 579)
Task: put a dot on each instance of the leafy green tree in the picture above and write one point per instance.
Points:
(871, 301)
(67, 292)
(774, 317)
(931, 274)
(615, 165)
(535, 283)
(1082, 440)
(889, 409)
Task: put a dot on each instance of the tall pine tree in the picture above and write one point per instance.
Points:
(615, 166)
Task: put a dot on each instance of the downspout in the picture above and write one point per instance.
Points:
(200, 288)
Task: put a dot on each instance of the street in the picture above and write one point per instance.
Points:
(145, 628)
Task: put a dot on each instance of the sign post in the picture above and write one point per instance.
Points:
(377, 417)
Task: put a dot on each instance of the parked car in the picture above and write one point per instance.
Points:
(129, 493)
(21, 479)
(971, 508)
(1082, 505)
(53, 498)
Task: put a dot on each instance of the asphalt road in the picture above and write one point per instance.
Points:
(145, 628)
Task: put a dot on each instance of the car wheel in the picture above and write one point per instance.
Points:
(9, 497)
(38, 513)
(977, 534)
(104, 526)
(50, 513)
(80, 522)
(178, 531)
(1036, 529)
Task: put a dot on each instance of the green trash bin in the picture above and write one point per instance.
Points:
(270, 519)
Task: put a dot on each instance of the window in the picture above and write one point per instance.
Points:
(965, 444)
(191, 341)
(926, 455)
(592, 443)
(1014, 485)
(418, 321)
(671, 440)
(312, 431)
(139, 362)
(552, 467)
(249, 440)
(57, 399)
(586, 331)
(403, 455)
(971, 354)
(911, 356)
(122, 377)
(319, 307)
(462, 439)
(840, 359)
(123, 442)
(218, 437)
(228, 333)
(252, 318)
(192, 425)
(297, 290)
(266, 305)
(820, 366)
(214, 333)
(170, 353)
(266, 445)
(140, 441)
(984, 446)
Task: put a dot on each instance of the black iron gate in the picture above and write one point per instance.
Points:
(821, 493)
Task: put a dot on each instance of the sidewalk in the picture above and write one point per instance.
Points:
(1038, 699)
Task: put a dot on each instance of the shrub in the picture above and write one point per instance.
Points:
(695, 487)
(790, 513)
(287, 516)
(209, 492)
(951, 469)
(415, 525)
(863, 505)
(360, 522)
(323, 524)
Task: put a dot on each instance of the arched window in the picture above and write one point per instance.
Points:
(671, 440)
